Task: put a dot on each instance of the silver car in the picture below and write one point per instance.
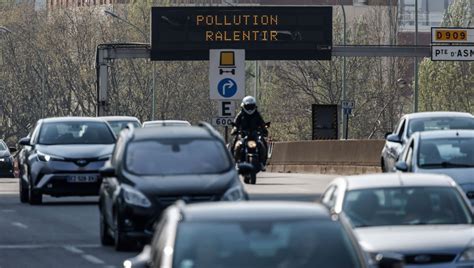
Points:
(449, 152)
(418, 122)
(424, 217)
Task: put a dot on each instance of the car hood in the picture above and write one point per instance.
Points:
(460, 175)
(4, 153)
(186, 184)
(76, 151)
(449, 239)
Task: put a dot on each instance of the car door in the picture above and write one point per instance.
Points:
(110, 184)
(393, 148)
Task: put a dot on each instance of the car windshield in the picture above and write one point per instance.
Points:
(117, 126)
(439, 123)
(406, 206)
(168, 124)
(177, 156)
(75, 133)
(264, 243)
(2, 146)
(446, 153)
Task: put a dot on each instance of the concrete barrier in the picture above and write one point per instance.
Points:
(327, 156)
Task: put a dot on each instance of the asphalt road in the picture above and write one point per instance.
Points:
(64, 232)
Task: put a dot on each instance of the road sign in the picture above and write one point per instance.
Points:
(226, 109)
(452, 53)
(227, 74)
(452, 35)
(222, 121)
(348, 104)
(265, 32)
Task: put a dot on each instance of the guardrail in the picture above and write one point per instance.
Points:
(326, 156)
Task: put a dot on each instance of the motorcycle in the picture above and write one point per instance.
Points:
(250, 144)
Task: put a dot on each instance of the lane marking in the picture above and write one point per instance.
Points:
(73, 249)
(41, 246)
(8, 210)
(19, 225)
(93, 259)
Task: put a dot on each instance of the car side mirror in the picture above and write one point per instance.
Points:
(394, 138)
(267, 124)
(107, 171)
(401, 166)
(389, 260)
(12, 149)
(25, 141)
(245, 168)
(388, 134)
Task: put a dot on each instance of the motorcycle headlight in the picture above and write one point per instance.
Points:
(234, 194)
(46, 157)
(467, 255)
(251, 144)
(134, 197)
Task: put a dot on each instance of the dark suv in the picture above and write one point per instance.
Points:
(151, 168)
(62, 157)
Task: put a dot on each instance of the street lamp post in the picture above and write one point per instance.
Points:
(153, 102)
(344, 121)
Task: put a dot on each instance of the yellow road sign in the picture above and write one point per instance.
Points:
(452, 35)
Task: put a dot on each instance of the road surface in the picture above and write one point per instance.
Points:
(64, 232)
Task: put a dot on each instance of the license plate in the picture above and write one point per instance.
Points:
(82, 179)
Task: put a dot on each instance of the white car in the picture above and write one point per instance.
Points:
(163, 123)
(449, 152)
(424, 217)
(418, 122)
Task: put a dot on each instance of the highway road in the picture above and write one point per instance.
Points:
(65, 232)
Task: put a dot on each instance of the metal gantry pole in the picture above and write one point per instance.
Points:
(345, 120)
(416, 89)
(153, 102)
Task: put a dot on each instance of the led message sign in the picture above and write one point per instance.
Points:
(266, 33)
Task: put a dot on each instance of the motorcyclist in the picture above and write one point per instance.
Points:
(249, 119)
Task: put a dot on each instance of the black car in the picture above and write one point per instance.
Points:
(255, 234)
(6, 160)
(151, 168)
(63, 157)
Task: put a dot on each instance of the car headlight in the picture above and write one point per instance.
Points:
(134, 197)
(467, 255)
(251, 144)
(46, 157)
(234, 194)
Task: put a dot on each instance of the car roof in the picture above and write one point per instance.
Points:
(395, 180)
(172, 132)
(438, 114)
(254, 210)
(439, 134)
(166, 121)
(120, 118)
(72, 119)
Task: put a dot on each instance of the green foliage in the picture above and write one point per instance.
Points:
(449, 86)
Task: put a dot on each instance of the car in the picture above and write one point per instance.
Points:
(63, 157)
(120, 122)
(424, 217)
(163, 123)
(449, 152)
(254, 234)
(416, 122)
(151, 168)
(6, 160)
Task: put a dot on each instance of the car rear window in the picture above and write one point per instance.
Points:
(177, 156)
(264, 244)
(439, 123)
(58, 133)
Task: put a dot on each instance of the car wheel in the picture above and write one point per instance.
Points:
(23, 191)
(121, 241)
(34, 197)
(105, 238)
(246, 179)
